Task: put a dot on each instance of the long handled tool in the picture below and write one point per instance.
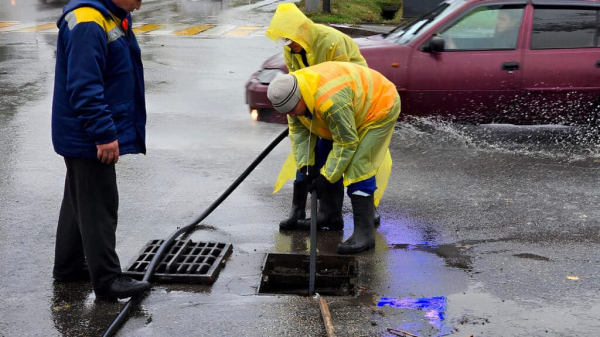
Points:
(312, 268)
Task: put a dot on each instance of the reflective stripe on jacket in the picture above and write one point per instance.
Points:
(354, 106)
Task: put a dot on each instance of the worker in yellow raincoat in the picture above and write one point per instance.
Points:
(307, 44)
(355, 107)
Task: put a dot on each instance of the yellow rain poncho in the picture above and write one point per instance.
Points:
(357, 108)
(321, 43)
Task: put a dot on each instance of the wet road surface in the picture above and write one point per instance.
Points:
(484, 228)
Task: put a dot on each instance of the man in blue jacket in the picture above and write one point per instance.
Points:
(98, 114)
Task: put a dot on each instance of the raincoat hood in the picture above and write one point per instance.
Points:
(289, 22)
(320, 43)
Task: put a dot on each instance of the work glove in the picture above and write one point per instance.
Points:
(310, 173)
(319, 184)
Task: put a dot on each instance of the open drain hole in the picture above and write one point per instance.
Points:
(288, 274)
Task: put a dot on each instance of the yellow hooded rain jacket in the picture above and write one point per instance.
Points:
(354, 106)
(321, 43)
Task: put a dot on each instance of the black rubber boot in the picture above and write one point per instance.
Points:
(298, 211)
(376, 219)
(330, 210)
(363, 237)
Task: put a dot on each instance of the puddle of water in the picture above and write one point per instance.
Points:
(76, 311)
(433, 309)
(453, 255)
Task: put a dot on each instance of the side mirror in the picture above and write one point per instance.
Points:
(435, 45)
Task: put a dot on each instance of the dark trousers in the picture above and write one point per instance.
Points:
(88, 222)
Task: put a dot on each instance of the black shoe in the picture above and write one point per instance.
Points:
(123, 287)
(298, 210)
(363, 237)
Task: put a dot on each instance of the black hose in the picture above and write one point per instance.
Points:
(165, 245)
(312, 262)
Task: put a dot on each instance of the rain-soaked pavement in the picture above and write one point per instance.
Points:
(487, 230)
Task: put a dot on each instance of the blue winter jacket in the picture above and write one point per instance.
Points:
(99, 81)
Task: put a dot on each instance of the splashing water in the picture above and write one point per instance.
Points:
(571, 143)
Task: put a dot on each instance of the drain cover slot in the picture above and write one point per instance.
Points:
(288, 274)
(185, 261)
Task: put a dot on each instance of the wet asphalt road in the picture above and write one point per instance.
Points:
(482, 225)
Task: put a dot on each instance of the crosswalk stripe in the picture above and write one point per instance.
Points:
(260, 32)
(146, 28)
(242, 31)
(7, 24)
(193, 30)
(12, 28)
(218, 30)
(167, 29)
(37, 28)
(177, 29)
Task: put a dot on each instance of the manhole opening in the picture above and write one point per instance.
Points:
(288, 274)
(184, 262)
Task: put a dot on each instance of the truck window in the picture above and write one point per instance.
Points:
(564, 27)
(485, 28)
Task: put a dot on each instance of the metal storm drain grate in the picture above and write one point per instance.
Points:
(288, 274)
(185, 261)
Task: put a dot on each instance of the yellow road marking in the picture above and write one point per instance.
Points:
(242, 31)
(37, 28)
(146, 28)
(193, 30)
(7, 24)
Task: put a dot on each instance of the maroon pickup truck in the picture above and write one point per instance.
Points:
(483, 61)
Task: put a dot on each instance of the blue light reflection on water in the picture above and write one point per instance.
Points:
(433, 307)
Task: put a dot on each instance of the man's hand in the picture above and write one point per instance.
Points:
(319, 185)
(310, 173)
(108, 153)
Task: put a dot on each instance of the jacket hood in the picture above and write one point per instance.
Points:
(289, 22)
(101, 5)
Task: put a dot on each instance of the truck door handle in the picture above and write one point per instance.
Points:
(598, 64)
(510, 66)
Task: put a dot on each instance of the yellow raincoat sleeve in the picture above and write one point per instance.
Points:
(340, 118)
(303, 143)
